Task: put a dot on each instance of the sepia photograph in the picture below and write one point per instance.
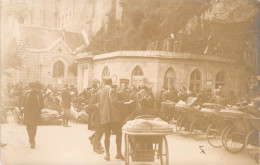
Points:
(130, 82)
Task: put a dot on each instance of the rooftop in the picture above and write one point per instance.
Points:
(162, 54)
(41, 38)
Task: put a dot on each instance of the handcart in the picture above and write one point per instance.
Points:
(234, 138)
(252, 143)
(217, 129)
(187, 114)
(202, 119)
(146, 145)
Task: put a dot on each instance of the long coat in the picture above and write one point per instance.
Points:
(33, 103)
(108, 111)
(66, 99)
(94, 115)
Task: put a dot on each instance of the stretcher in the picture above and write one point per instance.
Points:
(147, 143)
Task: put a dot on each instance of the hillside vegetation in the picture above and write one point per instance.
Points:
(192, 21)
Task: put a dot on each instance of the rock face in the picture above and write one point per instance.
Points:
(91, 15)
(226, 12)
(231, 11)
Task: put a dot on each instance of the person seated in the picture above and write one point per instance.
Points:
(170, 95)
(183, 94)
(146, 99)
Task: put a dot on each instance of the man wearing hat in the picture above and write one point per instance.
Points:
(66, 104)
(33, 103)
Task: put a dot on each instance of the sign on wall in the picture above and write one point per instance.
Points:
(209, 76)
(114, 78)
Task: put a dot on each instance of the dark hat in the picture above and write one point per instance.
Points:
(108, 81)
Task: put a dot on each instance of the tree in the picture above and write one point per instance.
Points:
(10, 49)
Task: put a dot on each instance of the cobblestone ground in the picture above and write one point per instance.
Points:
(70, 146)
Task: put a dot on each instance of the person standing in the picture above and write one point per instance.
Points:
(110, 118)
(66, 104)
(33, 103)
(94, 122)
(146, 100)
(94, 118)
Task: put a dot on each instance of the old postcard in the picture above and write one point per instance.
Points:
(96, 82)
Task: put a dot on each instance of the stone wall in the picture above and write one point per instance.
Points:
(38, 66)
(154, 70)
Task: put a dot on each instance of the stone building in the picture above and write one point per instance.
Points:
(160, 68)
(49, 55)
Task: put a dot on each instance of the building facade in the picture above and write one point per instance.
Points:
(49, 55)
(158, 69)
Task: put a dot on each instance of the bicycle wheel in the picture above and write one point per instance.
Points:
(163, 152)
(183, 127)
(177, 125)
(223, 135)
(214, 136)
(198, 128)
(252, 143)
(234, 141)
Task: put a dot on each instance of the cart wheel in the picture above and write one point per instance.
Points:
(163, 152)
(252, 144)
(177, 125)
(126, 149)
(214, 136)
(234, 142)
(183, 127)
(198, 128)
(223, 135)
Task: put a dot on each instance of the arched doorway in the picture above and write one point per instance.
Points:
(220, 79)
(169, 78)
(195, 81)
(137, 78)
(105, 73)
(58, 69)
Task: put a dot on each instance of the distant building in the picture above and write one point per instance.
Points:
(160, 68)
(49, 55)
(80, 15)
(49, 13)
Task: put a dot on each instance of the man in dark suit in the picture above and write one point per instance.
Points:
(33, 103)
(66, 104)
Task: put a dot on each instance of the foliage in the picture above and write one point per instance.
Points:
(11, 50)
(148, 21)
(11, 55)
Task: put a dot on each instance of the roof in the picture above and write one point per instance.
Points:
(39, 38)
(163, 54)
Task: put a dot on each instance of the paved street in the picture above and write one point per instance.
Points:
(70, 146)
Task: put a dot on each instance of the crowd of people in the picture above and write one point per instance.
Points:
(109, 106)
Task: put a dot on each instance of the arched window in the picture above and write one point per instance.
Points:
(195, 81)
(220, 79)
(58, 69)
(169, 78)
(105, 73)
(137, 77)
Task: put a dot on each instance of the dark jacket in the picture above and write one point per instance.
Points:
(147, 102)
(171, 96)
(66, 99)
(93, 109)
(33, 103)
